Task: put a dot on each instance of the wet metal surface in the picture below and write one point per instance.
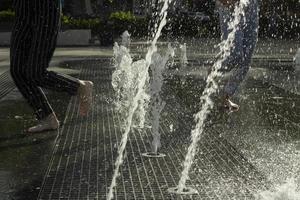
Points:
(24, 158)
(6, 84)
(236, 156)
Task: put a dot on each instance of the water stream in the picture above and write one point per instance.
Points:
(211, 88)
(183, 56)
(138, 96)
(157, 67)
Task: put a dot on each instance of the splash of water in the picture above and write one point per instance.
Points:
(124, 81)
(157, 67)
(211, 87)
(126, 41)
(137, 97)
(287, 191)
(183, 56)
(297, 60)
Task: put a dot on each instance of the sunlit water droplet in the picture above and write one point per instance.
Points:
(286, 191)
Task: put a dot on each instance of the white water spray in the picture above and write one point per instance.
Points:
(157, 67)
(124, 81)
(211, 87)
(126, 41)
(183, 56)
(143, 76)
(287, 191)
(297, 60)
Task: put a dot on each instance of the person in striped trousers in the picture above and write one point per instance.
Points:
(33, 43)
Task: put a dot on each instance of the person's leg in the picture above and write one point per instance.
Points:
(236, 49)
(46, 25)
(225, 17)
(250, 32)
(235, 58)
(20, 43)
(45, 30)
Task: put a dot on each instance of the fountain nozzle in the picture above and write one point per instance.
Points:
(183, 191)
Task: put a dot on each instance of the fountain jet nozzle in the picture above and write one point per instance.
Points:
(184, 191)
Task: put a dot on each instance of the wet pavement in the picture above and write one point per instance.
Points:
(239, 155)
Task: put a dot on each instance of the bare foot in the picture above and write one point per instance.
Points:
(85, 94)
(47, 124)
(230, 106)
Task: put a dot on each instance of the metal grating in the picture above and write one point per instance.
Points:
(84, 153)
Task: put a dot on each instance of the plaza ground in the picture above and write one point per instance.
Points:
(239, 154)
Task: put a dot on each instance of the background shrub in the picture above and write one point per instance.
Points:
(95, 24)
(7, 16)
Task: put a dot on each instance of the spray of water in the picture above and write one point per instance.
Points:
(287, 191)
(124, 81)
(157, 67)
(126, 39)
(297, 60)
(183, 56)
(211, 87)
(137, 97)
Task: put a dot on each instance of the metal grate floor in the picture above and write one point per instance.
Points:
(82, 163)
(6, 84)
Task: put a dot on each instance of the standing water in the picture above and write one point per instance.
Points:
(207, 104)
(134, 104)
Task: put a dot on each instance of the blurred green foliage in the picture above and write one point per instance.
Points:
(121, 21)
(7, 16)
(80, 23)
(122, 16)
(95, 24)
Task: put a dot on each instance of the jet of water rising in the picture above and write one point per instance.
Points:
(183, 56)
(158, 65)
(211, 87)
(124, 81)
(297, 60)
(126, 39)
(139, 95)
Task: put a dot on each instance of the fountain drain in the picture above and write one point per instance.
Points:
(153, 155)
(185, 191)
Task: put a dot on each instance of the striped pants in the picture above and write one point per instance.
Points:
(33, 43)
